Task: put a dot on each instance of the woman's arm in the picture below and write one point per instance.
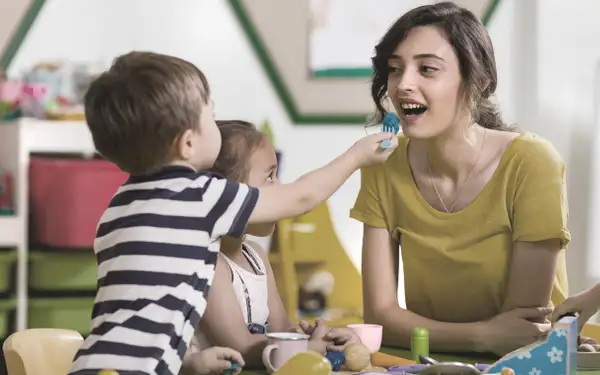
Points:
(539, 213)
(278, 318)
(223, 321)
(531, 274)
(381, 304)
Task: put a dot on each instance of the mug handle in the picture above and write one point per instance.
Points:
(266, 357)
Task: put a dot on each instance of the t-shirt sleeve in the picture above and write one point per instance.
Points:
(367, 208)
(540, 208)
(233, 205)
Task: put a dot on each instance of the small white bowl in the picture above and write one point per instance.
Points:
(588, 360)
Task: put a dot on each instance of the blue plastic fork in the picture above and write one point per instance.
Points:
(390, 124)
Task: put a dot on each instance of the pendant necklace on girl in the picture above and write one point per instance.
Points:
(439, 196)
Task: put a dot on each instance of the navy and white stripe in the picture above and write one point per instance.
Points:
(156, 247)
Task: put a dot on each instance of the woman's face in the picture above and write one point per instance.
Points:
(424, 84)
(262, 171)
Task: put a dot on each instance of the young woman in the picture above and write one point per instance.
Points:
(478, 209)
(244, 303)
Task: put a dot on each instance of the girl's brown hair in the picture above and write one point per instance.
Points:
(239, 140)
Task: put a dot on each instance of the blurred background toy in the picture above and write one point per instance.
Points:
(312, 295)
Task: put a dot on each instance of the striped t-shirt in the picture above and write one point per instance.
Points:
(156, 247)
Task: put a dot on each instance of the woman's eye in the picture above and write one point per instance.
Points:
(393, 69)
(428, 69)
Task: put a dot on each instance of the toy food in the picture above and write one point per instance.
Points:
(586, 348)
(337, 360)
(587, 345)
(385, 360)
(358, 357)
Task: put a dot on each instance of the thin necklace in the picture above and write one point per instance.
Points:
(461, 186)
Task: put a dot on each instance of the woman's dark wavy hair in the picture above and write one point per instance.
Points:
(472, 45)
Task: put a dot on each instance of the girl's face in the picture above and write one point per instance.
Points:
(424, 84)
(262, 171)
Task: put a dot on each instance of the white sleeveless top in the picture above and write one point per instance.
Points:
(251, 290)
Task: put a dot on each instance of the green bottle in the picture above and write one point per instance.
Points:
(419, 343)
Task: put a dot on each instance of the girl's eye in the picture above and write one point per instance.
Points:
(270, 179)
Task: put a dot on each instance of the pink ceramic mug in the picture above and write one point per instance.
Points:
(282, 347)
(370, 335)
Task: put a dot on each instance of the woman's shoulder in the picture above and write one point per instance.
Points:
(533, 151)
(530, 157)
(533, 145)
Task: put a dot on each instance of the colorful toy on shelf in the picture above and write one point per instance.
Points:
(22, 99)
(6, 193)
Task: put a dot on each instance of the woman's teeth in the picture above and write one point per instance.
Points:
(412, 106)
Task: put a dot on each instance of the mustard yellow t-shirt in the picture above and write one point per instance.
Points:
(456, 264)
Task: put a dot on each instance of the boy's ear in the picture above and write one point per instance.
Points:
(184, 145)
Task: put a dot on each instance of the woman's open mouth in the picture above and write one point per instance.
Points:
(413, 111)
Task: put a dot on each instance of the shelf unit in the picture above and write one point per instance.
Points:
(18, 140)
(308, 243)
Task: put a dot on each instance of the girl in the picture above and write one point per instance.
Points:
(478, 209)
(244, 302)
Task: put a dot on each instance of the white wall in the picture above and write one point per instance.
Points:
(546, 59)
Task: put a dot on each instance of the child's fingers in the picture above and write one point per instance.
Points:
(222, 365)
(306, 327)
(229, 355)
(320, 328)
(342, 335)
(561, 310)
(335, 348)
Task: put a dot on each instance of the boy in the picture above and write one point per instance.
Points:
(586, 304)
(157, 242)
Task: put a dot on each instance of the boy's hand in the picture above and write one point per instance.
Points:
(339, 338)
(215, 360)
(366, 151)
(586, 304)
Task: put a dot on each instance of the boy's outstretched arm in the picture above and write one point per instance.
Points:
(586, 304)
(303, 195)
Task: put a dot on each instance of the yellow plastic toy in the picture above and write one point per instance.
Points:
(306, 363)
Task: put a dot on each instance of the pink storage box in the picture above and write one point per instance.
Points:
(68, 197)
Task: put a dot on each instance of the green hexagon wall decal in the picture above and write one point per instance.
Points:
(279, 32)
(17, 17)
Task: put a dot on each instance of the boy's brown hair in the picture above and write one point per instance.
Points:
(138, 109)
(239, 140)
